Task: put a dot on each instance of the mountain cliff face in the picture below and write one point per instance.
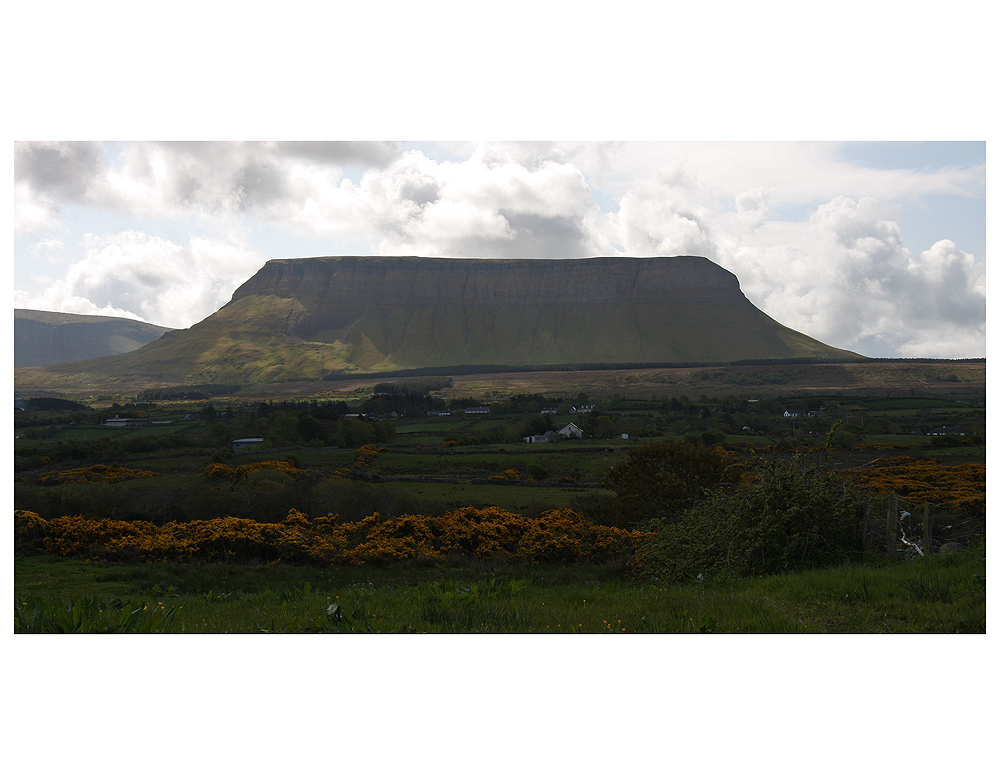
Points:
(396, 313)
(299, 319)
(42, 338)
(346, 283)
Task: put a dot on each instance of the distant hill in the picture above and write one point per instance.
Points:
(44, 338)
(303, 319)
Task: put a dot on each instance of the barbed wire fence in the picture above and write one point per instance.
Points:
(906, 530)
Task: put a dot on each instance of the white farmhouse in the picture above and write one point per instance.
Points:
(571, 431)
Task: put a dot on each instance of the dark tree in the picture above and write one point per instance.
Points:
(662, 480)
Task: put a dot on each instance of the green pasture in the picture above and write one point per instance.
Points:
(949, 416)
(317, 458)
(184, 494)
(895, 438)
(586, 460)
(957, 455)
(904, 404)
(560, 460)
(172, 463)
(445, 426)
(516, 498)
(85, 432)
(939, 594)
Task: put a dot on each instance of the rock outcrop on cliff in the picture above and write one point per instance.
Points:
(302, 319)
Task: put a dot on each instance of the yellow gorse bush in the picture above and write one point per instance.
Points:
(921, 481)
(511, 474)
(877, 447)
(224, 472)
(560, 535)
(366, 454)
(100, 473)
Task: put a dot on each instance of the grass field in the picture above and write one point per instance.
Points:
(417, 473)
(512, 498)
(941, 594)
(585, 703)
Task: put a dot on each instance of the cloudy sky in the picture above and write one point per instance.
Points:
(877, 247)
(833, 158)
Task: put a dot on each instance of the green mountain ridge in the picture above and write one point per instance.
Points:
(42, 338)
(303, 319)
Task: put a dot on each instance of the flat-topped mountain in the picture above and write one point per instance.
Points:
(42, 338)
(349, 283)
(301, 319)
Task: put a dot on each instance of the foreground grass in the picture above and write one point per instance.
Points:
(941, 594)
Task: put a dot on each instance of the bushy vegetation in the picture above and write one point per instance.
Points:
(698, 512)
(50, 404)
(660, 481)
(922, 481)
(263, 490)
(785, 516)
(220, 471)
(104, 474)
(91, 615)
(559, 535)
(30, 456)
(412, 386)
(186, 392)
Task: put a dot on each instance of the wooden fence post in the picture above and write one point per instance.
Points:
(891, 515)
(928, 513)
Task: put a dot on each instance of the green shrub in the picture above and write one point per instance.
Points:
(786, 517)
(661, 480)
(595, 507)
(265, 480)
(536, 472)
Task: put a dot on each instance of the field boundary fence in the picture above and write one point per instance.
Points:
(907, 530)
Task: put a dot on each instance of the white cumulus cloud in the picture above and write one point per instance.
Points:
(144, 277)
(814, 237)
(489, 205)
(665, 215)
(846, 278)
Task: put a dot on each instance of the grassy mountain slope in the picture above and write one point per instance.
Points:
(301, 319)
(43, 338)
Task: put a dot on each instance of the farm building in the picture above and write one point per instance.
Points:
(546, 438)
(246, 444)
(127, 422)
(571, 431)
(946, 430)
